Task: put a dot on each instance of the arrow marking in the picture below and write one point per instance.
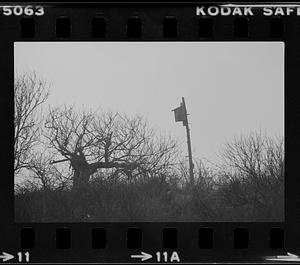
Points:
(6, 256)
(143, 256)
(288, 257)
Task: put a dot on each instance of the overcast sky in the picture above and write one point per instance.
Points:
(229, 87)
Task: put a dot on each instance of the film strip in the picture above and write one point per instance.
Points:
(98, 171)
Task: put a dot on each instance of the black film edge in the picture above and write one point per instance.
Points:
(95, 167)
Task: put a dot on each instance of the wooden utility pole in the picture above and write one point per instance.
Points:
(189, 144)
(181, 115)
(188, 136)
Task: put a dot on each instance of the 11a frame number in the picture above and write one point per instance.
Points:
(166, 257)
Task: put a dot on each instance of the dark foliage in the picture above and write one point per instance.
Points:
(218, 195)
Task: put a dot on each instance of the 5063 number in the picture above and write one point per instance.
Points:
(23, 10)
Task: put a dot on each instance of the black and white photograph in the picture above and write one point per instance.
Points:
(149, 132)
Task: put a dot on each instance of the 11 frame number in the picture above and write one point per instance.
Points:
(26, 256)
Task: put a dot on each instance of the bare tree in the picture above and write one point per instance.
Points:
(89, 142)
(30, 93)
(46, 175)
(253, 171)
(255, 155)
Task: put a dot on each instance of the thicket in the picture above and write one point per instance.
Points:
(247, 187)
